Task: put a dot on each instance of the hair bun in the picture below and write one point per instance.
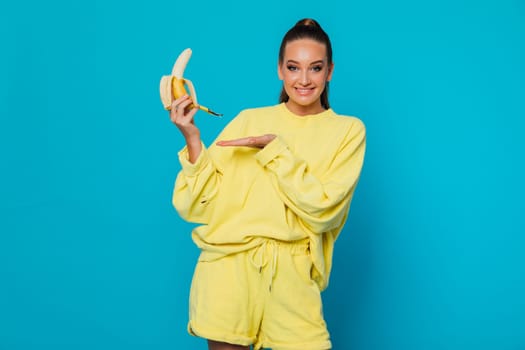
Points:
(309, 22)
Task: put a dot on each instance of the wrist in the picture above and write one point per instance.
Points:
(192, 139)
(194, 146)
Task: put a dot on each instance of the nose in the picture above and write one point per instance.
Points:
(304, 78)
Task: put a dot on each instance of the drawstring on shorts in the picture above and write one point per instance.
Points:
(258, 258)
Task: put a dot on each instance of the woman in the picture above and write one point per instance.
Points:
(272, 195)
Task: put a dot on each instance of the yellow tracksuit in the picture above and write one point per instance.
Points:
(299, 187)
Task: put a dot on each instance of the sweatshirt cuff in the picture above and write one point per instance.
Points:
(192, 169)
(271, 151)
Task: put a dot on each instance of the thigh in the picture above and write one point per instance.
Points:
(214, 345)
(221, 301)
(294, 314)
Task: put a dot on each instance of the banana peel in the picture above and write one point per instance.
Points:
(173, 86)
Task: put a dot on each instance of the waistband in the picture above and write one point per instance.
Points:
(268, 253)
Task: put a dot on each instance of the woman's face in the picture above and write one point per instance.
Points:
(304, 72)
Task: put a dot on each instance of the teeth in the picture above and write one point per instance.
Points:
(303, 91)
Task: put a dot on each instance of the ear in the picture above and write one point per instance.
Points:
(330, 72)
(279, 71)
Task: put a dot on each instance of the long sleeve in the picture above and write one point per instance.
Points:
(320, 202)
(196, 186)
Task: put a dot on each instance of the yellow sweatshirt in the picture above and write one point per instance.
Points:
(299, 186)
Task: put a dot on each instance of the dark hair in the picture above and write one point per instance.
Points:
(307, 28)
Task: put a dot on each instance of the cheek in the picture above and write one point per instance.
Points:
(284, 75)
(321, 80)
(289, 77)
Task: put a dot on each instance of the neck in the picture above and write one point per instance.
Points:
(305, 110)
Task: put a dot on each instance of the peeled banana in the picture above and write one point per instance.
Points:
(172, 86)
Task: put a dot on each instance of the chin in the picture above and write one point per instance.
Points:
(305, 103)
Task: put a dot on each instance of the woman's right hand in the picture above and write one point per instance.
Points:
(182, 117)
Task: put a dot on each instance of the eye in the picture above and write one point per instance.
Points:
(291, 68)
(317, 68)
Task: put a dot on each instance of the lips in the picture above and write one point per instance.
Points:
(304, 91)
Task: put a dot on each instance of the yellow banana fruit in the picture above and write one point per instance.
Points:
(172, 86)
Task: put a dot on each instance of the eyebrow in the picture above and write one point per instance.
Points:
(311, 64)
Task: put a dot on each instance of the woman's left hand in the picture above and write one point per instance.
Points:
(251, 141)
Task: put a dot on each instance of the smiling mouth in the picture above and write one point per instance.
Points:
(304, 91)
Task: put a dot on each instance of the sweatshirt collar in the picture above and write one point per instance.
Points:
(286, 111)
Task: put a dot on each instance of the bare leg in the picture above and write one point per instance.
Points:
(215, 345)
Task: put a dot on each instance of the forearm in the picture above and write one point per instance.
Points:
(320, 202)
(194, 146)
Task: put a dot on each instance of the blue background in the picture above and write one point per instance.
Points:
(93, 256)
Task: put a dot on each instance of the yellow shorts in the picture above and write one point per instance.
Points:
(263, 296)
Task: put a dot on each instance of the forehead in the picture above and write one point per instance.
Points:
(305, 50)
